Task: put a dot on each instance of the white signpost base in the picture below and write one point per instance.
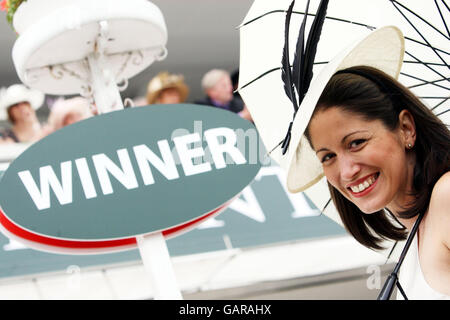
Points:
(156, 259)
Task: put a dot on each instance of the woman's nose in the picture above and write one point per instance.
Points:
(349, 168)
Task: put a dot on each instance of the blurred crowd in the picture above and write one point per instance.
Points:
(18, 104)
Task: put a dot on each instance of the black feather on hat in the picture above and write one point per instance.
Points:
(302, 71)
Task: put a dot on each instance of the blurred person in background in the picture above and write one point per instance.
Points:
(166, 88)
(18, 105)
(218, 88)
(65, 112)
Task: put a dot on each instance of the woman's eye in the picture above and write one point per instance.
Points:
(327, 157)
(356, 143)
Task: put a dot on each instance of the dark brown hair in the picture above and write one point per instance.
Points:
(375, 95)
(10, 116)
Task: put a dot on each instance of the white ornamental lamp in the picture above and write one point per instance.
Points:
(87, 47)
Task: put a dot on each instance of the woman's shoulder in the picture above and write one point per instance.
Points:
(441, 190)
(440, 206)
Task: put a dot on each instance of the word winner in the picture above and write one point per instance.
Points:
(221, 142)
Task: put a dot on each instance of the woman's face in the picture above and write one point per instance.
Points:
(222, 91)
(71, 118)
(363, 160)
(22, 112)
(169, 96)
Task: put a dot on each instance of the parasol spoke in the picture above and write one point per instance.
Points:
(428, 63)
(445, 111)
(325, 62)
(442, 17)
(428, 66)
(445, 4)
(436, 106)
(391, 252)
(273, 149)
(308, 14)
(444, 99)
(428, 46)
(433, 83)
(268, 72)
(433, 97)
(352, 22)
(394, 2)
(325, 206)
(257, 78)
(425, 82)
(269, 13)
(261, 16)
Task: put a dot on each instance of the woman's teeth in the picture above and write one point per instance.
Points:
(363, 186)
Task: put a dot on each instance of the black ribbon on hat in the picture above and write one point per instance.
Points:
(301, 75)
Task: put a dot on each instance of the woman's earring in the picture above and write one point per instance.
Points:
(409, 146)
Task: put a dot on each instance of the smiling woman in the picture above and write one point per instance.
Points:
(378, 135)
(386, 157)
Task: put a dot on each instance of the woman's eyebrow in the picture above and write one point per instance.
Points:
(352, 133)
(343, 139)
(322, 149)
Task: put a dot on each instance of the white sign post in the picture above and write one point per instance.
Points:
(153, 247)
(156, 259)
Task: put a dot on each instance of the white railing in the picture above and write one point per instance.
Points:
(10, 151)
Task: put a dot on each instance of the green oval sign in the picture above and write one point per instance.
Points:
(130, 172)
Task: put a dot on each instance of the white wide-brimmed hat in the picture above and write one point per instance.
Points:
(382, 49)
(19, 93)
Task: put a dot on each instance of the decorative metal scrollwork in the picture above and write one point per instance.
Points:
(30, 77)
(122, 84)
(60, 70)
(162, 55)
(56, 72)
(138, 57)
(128, 103)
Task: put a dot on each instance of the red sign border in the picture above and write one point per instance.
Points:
(101, 246)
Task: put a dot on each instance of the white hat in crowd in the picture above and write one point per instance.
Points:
(19, 93)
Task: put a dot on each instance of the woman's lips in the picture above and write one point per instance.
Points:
(373, 177)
